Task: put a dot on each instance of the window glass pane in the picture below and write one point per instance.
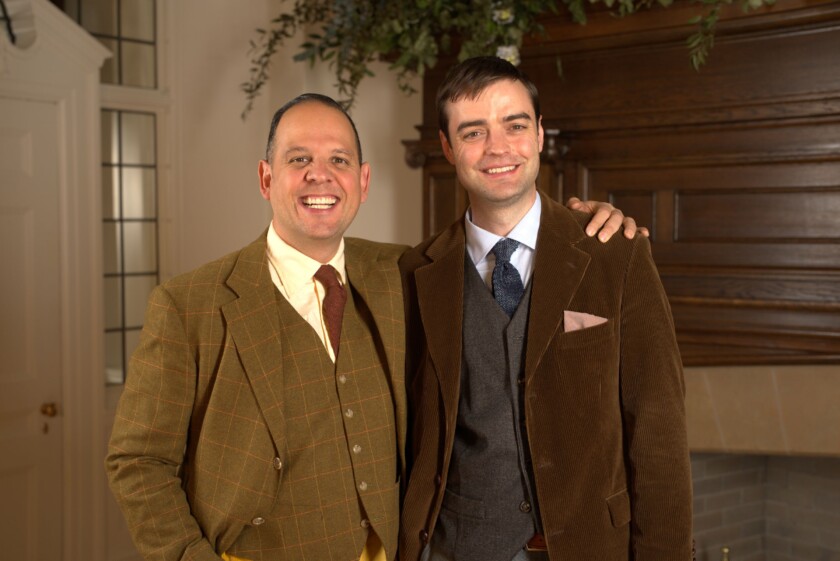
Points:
(114, 358)
(138, 138)
(110, 138)
(110, 71)
(140, 247)
(137, 19)
(138, 193)
(71, 8)
(132, 339)
(111, 247)
(99, 16)
(113, 303)
(137, 290)
(138, 64)
(110, 192)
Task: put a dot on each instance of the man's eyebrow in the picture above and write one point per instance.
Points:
(479, 122)
(468, 124)
(517, 117)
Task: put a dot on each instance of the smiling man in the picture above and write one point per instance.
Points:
(263, 416)
(258, 421)
(545, 389)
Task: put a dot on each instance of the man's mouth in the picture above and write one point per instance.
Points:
(503, 169)
(319, 203)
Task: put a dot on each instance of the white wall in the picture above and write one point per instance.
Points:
(215, 191)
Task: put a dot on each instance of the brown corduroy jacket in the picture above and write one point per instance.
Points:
(198, 444)
(604, 404)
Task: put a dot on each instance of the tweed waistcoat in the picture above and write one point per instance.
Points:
(488, 512)
(339, 474)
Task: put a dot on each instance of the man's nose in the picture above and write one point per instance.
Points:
(497, 143)
(318, 172)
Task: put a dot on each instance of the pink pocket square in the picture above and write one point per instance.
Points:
(573, 321)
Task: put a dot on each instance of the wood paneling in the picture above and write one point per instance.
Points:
(735, 169)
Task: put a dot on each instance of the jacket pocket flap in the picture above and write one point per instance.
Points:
(619, 506)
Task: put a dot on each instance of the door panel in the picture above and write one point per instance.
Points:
(30, 331)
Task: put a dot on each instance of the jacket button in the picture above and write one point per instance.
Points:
(258, 521)
(365, 523)
(525, 506)
(438, 479)
(278, 464)
(424, 536)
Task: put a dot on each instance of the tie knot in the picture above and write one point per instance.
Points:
(327, 276)
(503, 249)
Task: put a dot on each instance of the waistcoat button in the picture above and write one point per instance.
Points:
(278, 463)
(258, 521)
(525, 506)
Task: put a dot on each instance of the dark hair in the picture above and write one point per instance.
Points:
(304, 98)
(468, 79)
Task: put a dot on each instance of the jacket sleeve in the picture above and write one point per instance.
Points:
(653, 411)
(149, 437)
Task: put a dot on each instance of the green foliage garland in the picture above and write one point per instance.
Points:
(412, 34)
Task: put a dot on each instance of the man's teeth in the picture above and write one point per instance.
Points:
(501, 170)
(320, 203)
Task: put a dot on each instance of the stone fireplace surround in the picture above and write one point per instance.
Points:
(765, 444)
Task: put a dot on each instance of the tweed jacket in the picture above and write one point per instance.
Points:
(191, 468)
(604, 404)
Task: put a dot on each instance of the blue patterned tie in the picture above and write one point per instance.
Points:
(507, 284)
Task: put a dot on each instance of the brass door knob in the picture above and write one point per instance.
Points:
(49, 409)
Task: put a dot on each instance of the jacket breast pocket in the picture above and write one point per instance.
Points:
(589, 336)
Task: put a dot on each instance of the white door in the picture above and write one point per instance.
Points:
(30, 332)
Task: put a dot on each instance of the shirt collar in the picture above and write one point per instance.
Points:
(294, 269)
(480, 241)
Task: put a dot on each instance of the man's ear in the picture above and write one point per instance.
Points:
(447, 148)
(364, 180)
(265, 179)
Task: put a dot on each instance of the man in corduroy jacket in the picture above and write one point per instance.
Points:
(545, 387)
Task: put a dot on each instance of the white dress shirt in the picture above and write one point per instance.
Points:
(480, 242)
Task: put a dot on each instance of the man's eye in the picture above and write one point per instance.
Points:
(471, 134)
(518, 127)
(341, 161)
(299, 160)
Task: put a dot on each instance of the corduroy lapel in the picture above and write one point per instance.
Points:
(253, 322)
(440, 293)
(558, 269)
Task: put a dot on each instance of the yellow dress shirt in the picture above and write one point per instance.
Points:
(292, 272)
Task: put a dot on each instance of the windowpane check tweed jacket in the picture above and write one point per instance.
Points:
(214, 330)
(604, 404)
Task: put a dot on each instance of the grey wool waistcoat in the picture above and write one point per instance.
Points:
(489, 510)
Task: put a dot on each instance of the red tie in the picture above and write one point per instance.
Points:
(334, 300)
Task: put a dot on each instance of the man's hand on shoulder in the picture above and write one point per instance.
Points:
(606, 219)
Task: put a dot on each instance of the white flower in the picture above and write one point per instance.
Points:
(509, 53)
(504, 16)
